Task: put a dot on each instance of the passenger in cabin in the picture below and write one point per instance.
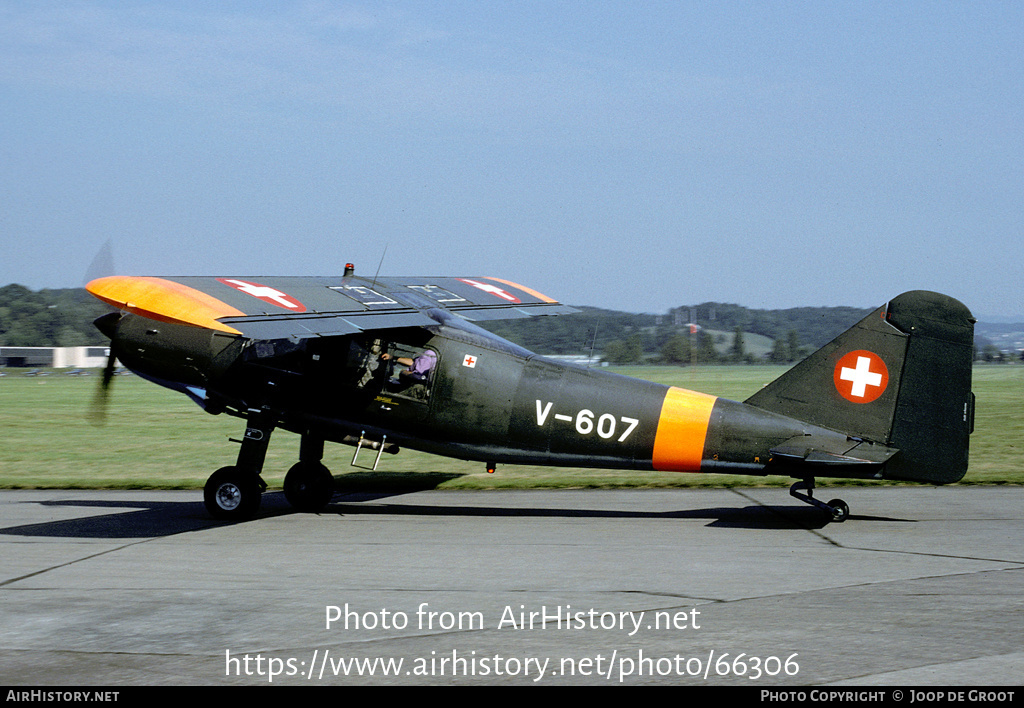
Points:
(417, 368)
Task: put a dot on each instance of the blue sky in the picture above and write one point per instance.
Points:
(628, 155)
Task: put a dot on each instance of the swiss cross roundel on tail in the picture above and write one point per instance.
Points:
(267, 294)
(861, 376)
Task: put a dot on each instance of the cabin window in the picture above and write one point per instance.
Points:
(410, 371)
(391, 367)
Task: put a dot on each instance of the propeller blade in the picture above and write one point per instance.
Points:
(108, 325)
(110, 368)
(98, 412)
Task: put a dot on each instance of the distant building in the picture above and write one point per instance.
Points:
(56, 357)
(581, 359)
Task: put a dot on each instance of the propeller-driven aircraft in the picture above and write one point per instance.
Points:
(385, 363)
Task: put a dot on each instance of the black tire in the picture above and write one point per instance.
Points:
(232, 495)
(308, 486)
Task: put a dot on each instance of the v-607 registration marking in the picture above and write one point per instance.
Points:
(587, 422)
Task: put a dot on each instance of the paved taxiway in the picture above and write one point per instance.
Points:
(922, 586)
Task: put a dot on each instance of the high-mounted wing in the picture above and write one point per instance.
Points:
(277, 307)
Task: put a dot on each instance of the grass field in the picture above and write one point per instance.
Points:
(154, 438)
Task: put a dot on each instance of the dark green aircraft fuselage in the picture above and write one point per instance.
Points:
(485, 399)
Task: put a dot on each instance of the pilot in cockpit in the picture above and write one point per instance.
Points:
(417, 368)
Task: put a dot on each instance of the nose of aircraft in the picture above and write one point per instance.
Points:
(108, 324)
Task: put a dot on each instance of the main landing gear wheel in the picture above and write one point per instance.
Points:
(232, 495)
(308, 486)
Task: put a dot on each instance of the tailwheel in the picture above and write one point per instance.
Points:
(308, 486)
(232, 495)
(837, 509)
(840, 510)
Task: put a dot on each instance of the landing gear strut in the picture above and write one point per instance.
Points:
(837, 508)
(233, 493)
(309, 486)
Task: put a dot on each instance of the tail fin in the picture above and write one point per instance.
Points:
(900, 377)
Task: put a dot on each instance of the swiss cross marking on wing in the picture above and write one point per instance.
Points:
(861, 376)
(492, 289)
(267, 294)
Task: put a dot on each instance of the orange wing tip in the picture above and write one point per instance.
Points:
(682, 430)
(164, 300)
(523, 288)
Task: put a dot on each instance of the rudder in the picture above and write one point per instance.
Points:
(934, 415)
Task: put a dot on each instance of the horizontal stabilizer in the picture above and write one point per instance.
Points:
(807, 450)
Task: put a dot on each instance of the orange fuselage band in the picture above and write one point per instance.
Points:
(682, 430)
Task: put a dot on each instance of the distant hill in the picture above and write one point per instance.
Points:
(579, 334)
(999, 342)
(815, 326)
(620, 336)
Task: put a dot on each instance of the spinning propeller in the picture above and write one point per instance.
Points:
(108, 325)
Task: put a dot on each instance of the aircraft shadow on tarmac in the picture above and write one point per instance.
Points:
(753, 517)
(141, 519)
(127, 520)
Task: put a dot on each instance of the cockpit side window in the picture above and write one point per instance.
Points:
(410, 370)
(386, 366)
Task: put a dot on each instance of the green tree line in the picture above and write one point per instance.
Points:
(699, 334)
(48, 318)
